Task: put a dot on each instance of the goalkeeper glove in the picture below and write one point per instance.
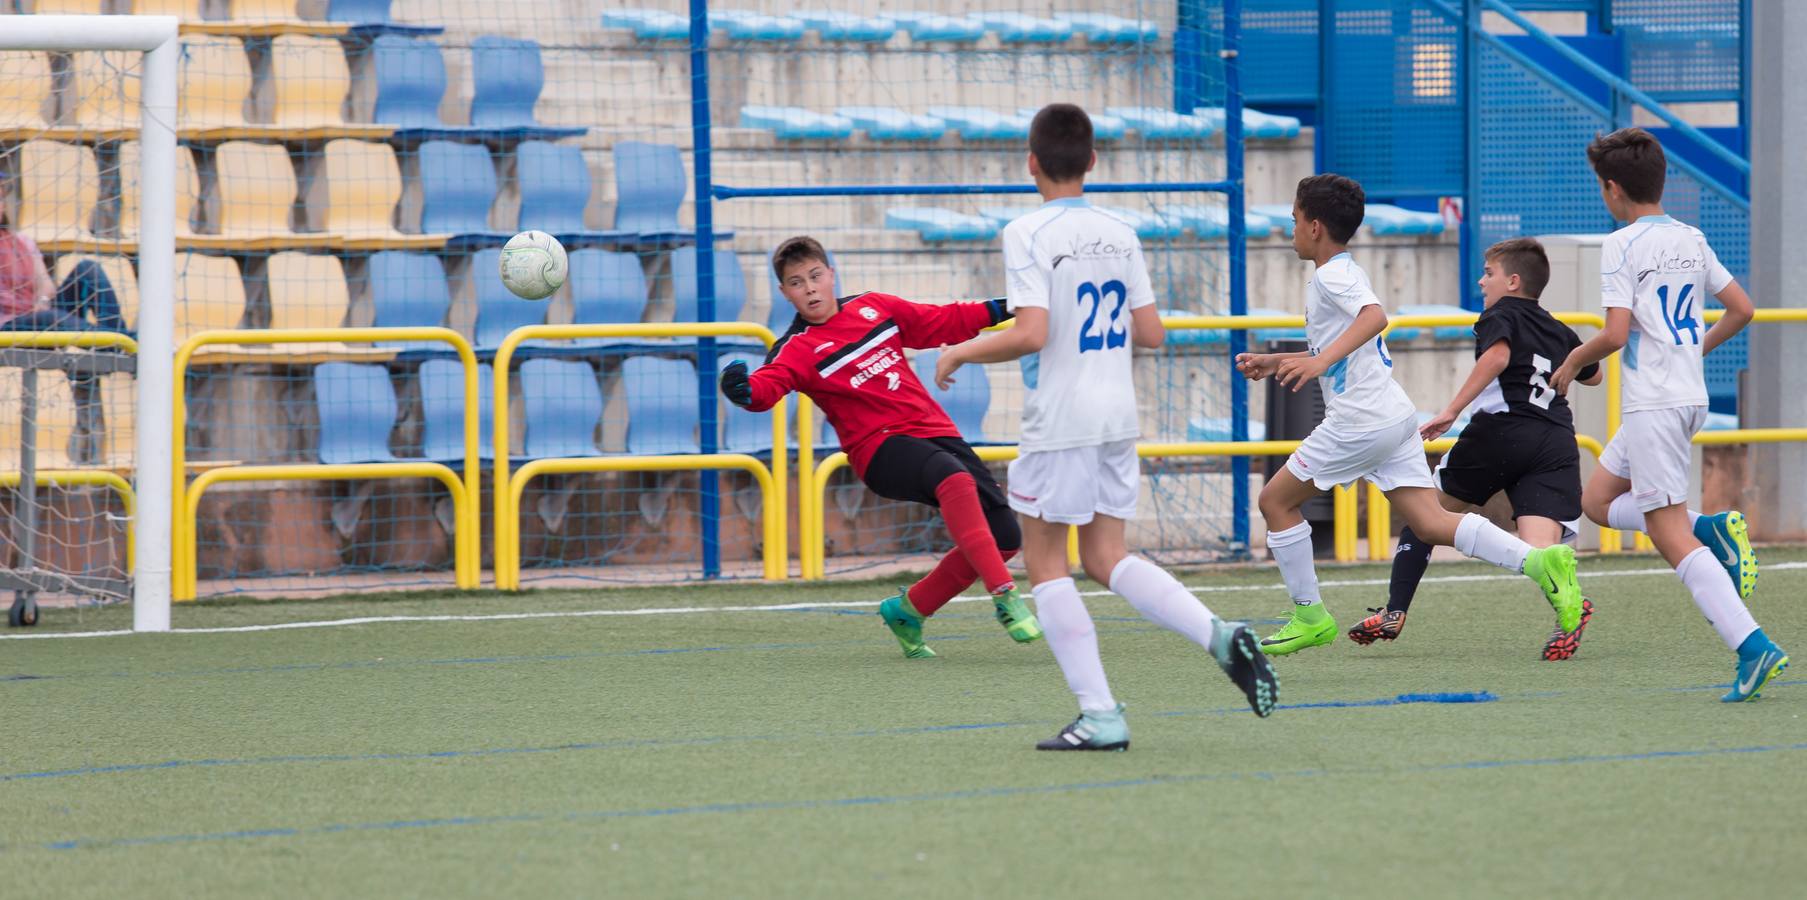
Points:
(735, 385)
(999, 309)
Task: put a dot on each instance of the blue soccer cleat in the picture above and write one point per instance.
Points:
(1728, 537)
(1756, 666)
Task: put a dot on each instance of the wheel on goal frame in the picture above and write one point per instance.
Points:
(24, 613)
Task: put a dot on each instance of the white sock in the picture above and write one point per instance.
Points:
(1291, 549)
(1624, 514)
(1716, 596)
(1160, 597)
(1480, 539)
(1074, 640)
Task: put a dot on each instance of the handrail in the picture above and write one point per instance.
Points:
(1631, 92)
(467, 547)
(507, 537)
(90, 477)
(46, 340)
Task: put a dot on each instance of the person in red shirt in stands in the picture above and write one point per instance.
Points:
(847, 355)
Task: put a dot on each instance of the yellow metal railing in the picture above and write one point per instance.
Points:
(187, 498)
(99, 477)
(509, 489)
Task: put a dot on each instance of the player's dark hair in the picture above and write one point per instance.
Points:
(1060, 138)
(795, 250)
(1634, 158)
(1337, 201)
(1525, 258)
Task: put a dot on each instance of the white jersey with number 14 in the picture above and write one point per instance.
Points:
(1663, 271)
(1085, 267)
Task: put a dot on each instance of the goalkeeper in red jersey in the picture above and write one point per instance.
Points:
(847, 355)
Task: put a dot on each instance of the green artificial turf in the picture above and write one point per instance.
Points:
(796, 753)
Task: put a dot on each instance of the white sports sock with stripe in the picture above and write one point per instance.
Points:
(1074, 639)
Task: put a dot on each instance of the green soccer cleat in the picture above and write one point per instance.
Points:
(1298, 634)
(1553, 568)
(1015, 616)
(906, 626)
(1727, 535)
(1092, 731)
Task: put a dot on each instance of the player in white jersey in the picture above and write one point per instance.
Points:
(1370, 429)
(1079, 289)
(1655, 275)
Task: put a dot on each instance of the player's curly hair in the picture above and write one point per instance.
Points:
(1634, 159)
(1525, 258)
(1335, 200)
(801, 248)
(1060, 139)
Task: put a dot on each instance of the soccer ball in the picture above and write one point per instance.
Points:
(534, 265)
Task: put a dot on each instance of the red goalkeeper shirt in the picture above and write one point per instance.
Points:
(852, 366)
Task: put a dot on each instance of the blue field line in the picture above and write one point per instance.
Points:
(646, 743)
(833, 803)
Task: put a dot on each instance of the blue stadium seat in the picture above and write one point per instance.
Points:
(1016, 28)
(1441, 332)
(1105, 127)
(662, 414)
(966, 402)
(1210, 222)
(1383, 219)
(649, 187)
(934, 223)
(457, 188)
(742, 25)
(371, 17)
(1279, 215)
(499, 311)
(1101, 28)
(1255, 123)
(607, 288)
(357, 410)
(563, 405)
(1004, 215)
(554, 184)
(1165, 124)
(730, 285)
(1272, 334)
(833, 25)
(1215, 428)
(978, 124)
(925, 27)
(408, 290)
(507, 77)
(888, 123)
(442, 411)
(791, 123)
(649, 24)
(410, 80)
(1154, 226)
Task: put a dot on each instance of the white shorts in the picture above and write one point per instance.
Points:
(1069, 486)
(1390, 457)
(1654, 449)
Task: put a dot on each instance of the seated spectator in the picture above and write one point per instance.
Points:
(29, 301)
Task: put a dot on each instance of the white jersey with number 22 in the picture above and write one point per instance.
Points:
(1085, 267)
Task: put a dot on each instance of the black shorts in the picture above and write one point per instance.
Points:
(1537, 464)
(910, 468)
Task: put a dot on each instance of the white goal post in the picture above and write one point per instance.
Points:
(155, 37)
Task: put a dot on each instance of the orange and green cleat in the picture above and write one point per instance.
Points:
(1384, 625)
(1563, 644)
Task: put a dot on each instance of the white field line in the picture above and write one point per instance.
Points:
(781, 607)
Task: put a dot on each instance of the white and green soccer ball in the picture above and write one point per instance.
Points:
(534, 265)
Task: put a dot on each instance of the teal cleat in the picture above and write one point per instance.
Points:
(1755, 671)
(1092, 731)
(906, 626)
(1727, 535)
(1237, 653)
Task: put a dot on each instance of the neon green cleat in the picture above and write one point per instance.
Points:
(1015, 616)
(1553, 568)
(1298, 633)
(906, 626)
